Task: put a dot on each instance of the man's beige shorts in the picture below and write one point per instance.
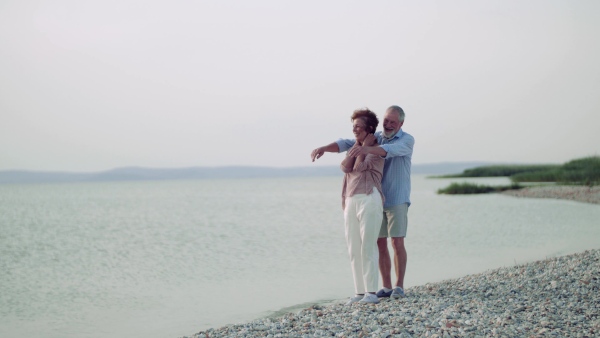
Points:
(395, 221)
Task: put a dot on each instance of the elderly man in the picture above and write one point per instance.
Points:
(396, 147)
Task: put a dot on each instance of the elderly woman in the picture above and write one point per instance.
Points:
(362, 201)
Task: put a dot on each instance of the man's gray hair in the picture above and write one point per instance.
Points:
(398, 110)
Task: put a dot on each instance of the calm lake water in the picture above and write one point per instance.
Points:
(171, 258)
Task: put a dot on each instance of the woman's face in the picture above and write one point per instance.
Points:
(359, 128)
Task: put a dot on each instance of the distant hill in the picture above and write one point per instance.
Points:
(152, 174)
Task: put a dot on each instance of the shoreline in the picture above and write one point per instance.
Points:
(578, 193)
(553, 297)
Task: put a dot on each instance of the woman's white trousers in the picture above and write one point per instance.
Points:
(363, 216)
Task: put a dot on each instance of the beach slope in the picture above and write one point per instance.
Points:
(557, 297)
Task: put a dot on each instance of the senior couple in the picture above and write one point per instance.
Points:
(375, 199)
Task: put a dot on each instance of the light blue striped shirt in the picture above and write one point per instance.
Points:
(396, 170)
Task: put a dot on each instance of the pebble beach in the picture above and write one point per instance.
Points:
(556, 297)
(574, 193)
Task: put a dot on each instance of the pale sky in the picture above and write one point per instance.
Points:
(95, 85)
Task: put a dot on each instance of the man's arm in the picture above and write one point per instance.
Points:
(335, 147)
(402, 148)
(373, 148)
(330, 148)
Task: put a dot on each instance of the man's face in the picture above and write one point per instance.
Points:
(391, 123)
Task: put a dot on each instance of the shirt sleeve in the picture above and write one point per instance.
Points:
(371, 162)
(344, 169)
(403, 147)
(345, 144)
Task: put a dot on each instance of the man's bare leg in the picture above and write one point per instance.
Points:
(400, 259)
(385, 263)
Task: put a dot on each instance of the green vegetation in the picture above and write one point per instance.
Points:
(470, 188)
(552, 175)
(503, 170)
(583, 171)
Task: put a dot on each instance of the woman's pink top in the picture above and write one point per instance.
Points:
(363, 177)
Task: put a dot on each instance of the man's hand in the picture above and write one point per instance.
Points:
(317, 153)
(330, 148)
(370, 140)
(357, 151)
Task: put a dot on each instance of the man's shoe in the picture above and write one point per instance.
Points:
(369, 298)
(355, 299)
(382, 294)
(398, 292)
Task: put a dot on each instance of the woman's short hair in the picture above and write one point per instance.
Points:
(368, 117)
